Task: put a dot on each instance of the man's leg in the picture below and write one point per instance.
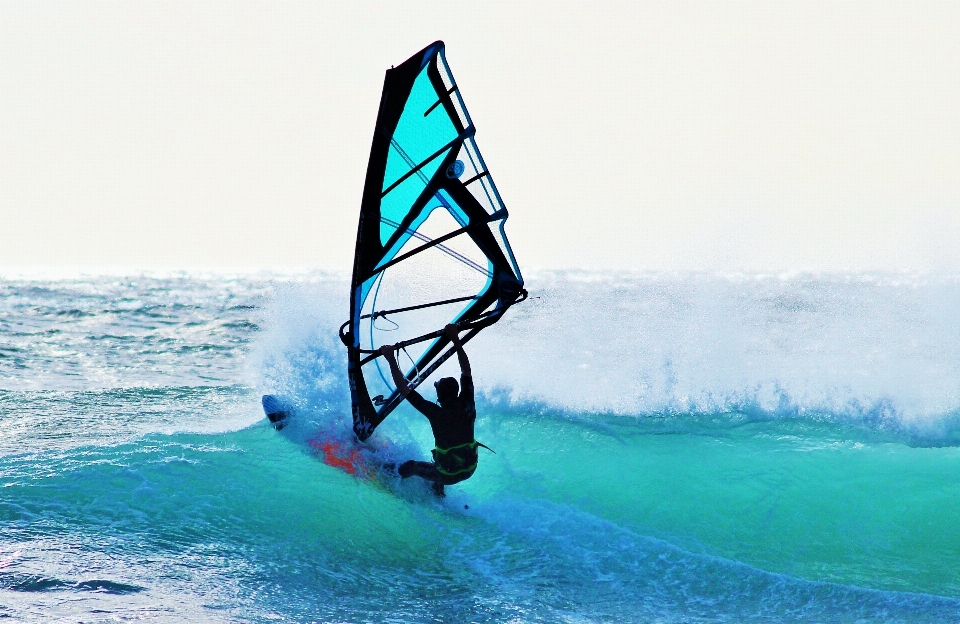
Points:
(413, 468)
(424, 470)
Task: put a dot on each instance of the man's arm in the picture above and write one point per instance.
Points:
(387, 351)
(453, 334)
(422, 405)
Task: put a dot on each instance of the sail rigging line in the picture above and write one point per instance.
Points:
(384, 313)
(373, 355)
(479, 322)
(417, 307)
(373, 305)
(468, 132)
(396, 398)
(395, 327)
(416, 377)
(434, 242)
(400, 345)
(410, 163)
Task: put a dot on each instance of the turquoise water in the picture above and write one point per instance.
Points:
(695, 449)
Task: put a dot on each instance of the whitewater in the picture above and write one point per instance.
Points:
(670, 447)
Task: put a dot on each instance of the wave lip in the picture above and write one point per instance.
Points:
(875, 348)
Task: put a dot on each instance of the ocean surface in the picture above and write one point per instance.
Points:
(669, 448)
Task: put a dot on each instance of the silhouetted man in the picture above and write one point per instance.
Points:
(455, 455)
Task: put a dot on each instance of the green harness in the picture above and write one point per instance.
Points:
(458, 461)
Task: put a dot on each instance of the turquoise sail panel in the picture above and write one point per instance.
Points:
(440, 199)
(396, 204)
(419, 134)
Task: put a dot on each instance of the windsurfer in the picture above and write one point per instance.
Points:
(455, 454)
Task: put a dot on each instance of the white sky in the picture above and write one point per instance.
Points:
(729, 136)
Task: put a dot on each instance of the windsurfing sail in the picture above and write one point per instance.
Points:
(431, 248)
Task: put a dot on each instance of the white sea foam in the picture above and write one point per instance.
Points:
(876, 347)
(872, 346)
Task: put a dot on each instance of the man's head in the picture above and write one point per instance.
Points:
(447, 389)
